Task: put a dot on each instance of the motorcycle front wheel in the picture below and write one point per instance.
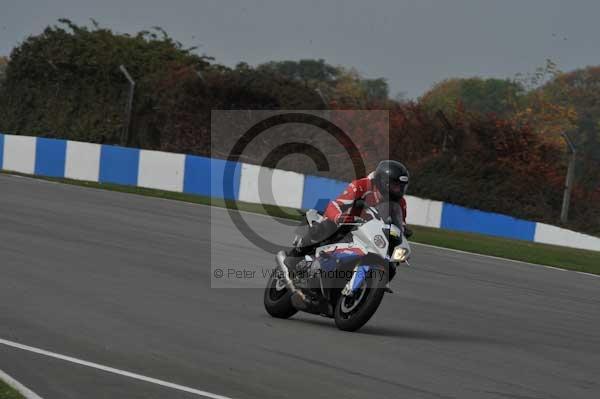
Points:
(277, 298)
(352, 312)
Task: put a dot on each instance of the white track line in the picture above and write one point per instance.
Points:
(502, 259)
(589, 274)
(485, 256)
(111, 370)
(17, 386)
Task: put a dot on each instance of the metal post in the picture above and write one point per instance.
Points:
(125, 134)
(447, 127)
(564, 214)
(323, 99)
(199, 73)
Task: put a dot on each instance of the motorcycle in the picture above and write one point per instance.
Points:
(347, 276)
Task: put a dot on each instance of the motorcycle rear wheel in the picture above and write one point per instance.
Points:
(277, 299)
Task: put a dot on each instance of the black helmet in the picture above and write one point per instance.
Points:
(391, 178)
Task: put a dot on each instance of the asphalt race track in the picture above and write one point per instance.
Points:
(123, 281)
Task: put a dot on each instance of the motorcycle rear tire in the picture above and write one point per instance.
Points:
(277, 303)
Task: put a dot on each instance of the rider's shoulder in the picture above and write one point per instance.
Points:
(362, 184)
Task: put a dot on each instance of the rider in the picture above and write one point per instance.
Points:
(387, 183)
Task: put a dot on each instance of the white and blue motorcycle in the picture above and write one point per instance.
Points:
(348, 275)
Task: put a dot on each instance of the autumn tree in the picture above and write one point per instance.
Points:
(540, 108)
(578, 91)
(495, 96)
(312, 73)
(336, 83)
(505, 154)
(3, 65)
(376, 88)
(66, 81)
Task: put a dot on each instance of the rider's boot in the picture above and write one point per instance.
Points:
(290, 260)
(388, 288)
(300, 301)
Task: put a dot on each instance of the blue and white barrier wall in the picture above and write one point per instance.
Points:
(251, 183)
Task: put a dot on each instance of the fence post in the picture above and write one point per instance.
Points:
(126, 131)
(564, 214)
(447, 128)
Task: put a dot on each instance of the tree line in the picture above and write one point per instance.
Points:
(490, 144)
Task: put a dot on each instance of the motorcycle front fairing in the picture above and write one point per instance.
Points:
(377, 248)
(347, 265)
(337, 263)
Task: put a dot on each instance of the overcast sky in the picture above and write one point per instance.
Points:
(411, 43)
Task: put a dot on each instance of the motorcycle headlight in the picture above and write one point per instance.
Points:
(399, 255)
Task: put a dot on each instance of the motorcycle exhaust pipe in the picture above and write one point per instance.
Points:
(280, 257)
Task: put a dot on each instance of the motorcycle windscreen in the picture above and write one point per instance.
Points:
(391, 212)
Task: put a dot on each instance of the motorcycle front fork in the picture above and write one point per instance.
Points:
(358, 277)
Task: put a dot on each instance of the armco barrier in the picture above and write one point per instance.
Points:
(456, 217)
(256, 183)
(205, 176)
(1, 149)
(319, 190)
(19, 153)
(50, 158)
(119, 165)
(423, 212)
(547, 234)
(161, 170)
(82, 161)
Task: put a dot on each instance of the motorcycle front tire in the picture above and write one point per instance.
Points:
(366, 309)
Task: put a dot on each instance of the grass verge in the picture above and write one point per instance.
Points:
(549, 255)
(6, 392)
(289, 213)
(525, 251)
